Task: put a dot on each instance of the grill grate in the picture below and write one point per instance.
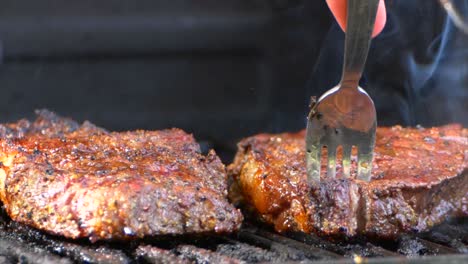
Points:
(253, 244)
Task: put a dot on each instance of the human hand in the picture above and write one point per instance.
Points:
(339, 9)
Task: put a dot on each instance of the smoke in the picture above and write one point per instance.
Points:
(439, 89)
(417, 71)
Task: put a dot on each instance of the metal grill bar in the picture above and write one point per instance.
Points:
(16, 252)
(414, 246)
(451, 235)
(247, 252)
(284, 252)
(456, 244)
(44, 244)
(282, 244)
(378, 251)
(199, 255)
(348, 250)
(319, 253)
(150, 254)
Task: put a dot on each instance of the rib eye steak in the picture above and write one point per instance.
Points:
(420, 177)
(83, 181)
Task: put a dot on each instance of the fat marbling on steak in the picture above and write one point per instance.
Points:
(82, 181)
(420, 178)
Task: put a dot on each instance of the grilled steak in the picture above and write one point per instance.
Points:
(82, 181)
(420, 178)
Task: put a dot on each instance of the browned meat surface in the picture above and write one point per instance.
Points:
(420, 178)
(82, 181)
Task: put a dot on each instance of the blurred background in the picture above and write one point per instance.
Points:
(221, 70)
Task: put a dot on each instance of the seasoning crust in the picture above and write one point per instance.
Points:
(420, 178)
(83, 181)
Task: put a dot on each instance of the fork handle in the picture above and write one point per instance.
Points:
(360, 24)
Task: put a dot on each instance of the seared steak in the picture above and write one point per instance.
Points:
(420, 178)
(82, 181)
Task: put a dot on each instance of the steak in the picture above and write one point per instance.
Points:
(83, 181)
(420, 178)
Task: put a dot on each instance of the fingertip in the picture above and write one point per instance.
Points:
(381, 19)
(339, 10)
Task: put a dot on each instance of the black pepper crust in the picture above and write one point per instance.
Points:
(83, 181)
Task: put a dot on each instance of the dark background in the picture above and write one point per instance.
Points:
(221, 69)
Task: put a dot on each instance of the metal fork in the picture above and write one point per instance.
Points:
(345, 115)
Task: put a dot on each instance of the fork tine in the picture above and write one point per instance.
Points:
(347, 161)
(364, 163)
(331, 167)
(313, 160)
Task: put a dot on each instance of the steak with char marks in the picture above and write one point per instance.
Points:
(420, 178)
(82, 181)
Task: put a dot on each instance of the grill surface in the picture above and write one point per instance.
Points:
(253, 244)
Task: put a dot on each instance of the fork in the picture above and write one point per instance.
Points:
(345, 115)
